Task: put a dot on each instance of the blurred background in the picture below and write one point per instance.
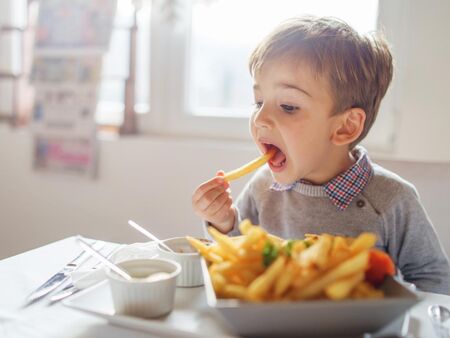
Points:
(124, 108)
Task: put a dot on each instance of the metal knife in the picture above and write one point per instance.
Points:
(61, 276)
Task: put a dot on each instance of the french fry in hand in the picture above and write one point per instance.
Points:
(249, 167)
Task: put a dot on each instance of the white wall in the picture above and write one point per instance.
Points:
(146, 179)
(418, 32)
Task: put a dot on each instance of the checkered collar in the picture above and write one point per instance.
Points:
(343, 188)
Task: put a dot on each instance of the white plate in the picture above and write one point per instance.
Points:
(191, 316)
(325, 318)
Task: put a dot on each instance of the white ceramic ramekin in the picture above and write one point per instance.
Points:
(140, 297)
(187, 257)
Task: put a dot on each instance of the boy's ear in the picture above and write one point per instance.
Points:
(349, 126)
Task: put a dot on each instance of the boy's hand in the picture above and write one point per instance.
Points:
(212, 201)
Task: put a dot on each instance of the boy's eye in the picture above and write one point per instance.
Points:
(289, 109)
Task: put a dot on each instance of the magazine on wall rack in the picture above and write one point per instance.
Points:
(65, 155)
(75, 24)
(72, 69)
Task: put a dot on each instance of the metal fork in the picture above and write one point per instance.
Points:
(71, 289)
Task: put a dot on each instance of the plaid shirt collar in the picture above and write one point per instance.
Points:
(346, 186)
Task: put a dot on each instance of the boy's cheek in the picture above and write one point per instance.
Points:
(253, 132)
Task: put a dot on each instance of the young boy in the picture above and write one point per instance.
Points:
(318, 86)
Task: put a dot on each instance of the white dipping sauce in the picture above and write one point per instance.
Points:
(154, 277)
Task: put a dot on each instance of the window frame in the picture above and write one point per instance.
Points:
(169, 56)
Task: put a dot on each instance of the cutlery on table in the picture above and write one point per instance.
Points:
(60, 277)
(147, 233)
(94, 253)
(439, 314)
(71, 289)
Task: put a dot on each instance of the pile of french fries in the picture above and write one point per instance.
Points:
(258, 266)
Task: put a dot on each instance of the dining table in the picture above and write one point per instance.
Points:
(23, 273)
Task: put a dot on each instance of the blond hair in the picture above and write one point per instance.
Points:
(357, 68)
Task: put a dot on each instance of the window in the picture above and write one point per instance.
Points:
(224, 33)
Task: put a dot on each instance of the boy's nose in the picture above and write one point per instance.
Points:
(262, 119)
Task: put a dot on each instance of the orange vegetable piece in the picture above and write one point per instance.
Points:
(380, 265)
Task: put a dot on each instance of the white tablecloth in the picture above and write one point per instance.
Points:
(21, 274)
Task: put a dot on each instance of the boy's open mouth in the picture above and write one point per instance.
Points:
(278, 161)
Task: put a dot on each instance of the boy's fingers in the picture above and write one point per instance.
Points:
(209, 198)
(221, 173)
(218, 203)
(224, 211)
(203, 188)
